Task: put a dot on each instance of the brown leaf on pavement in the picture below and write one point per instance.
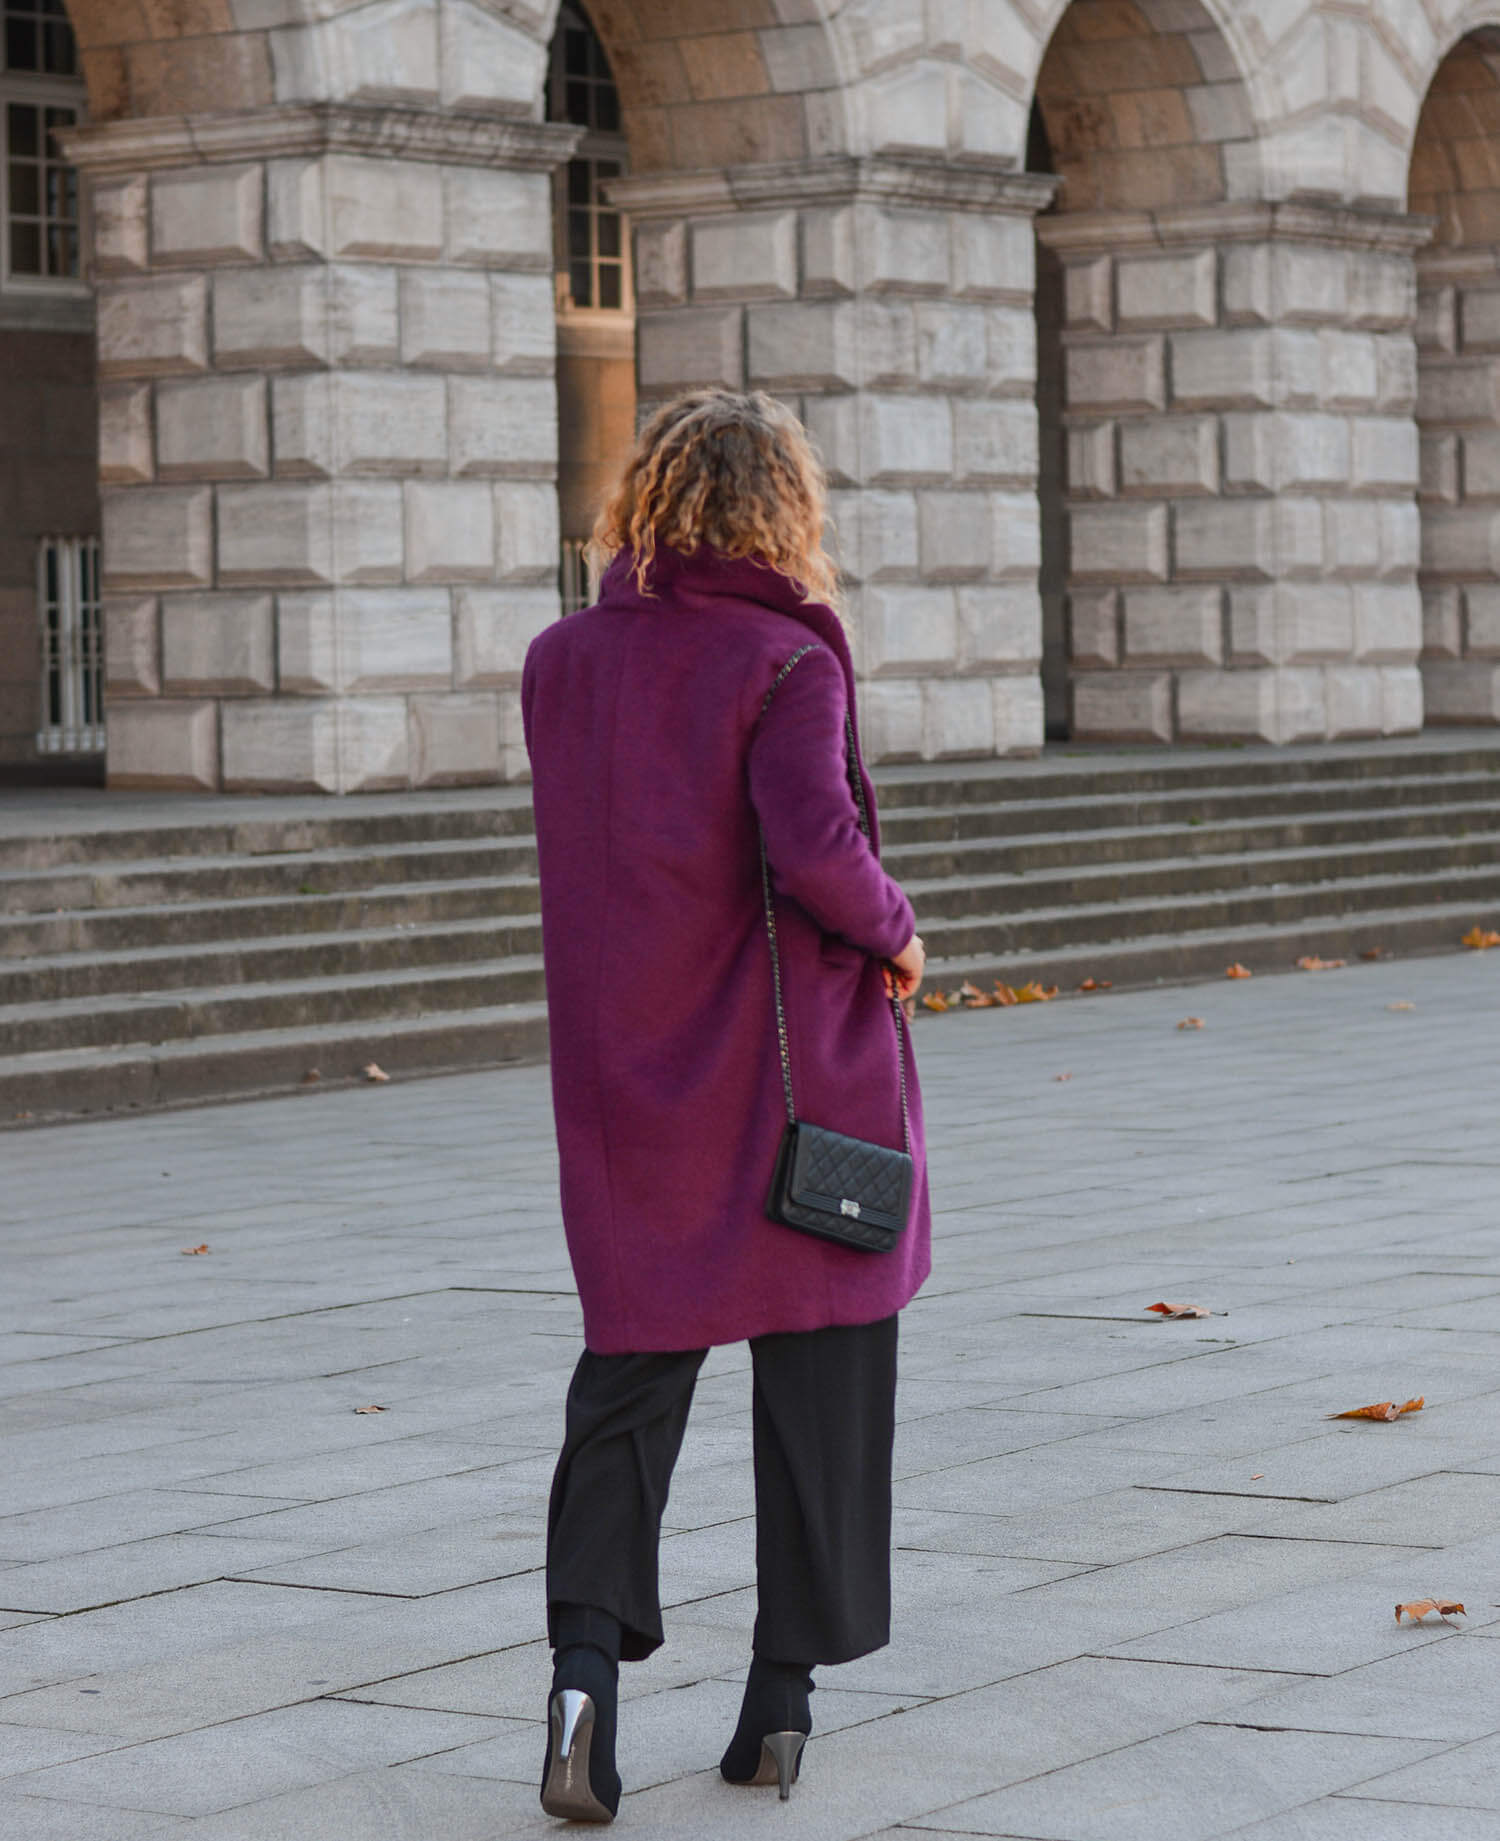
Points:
(1180, 1310)
(1374, 952)
(1312, 963)
(1478, 939)
(975, 999)
(191, 1252)
(1238, 971)
(1096, 984)
(1034, 993)
(935, 1000)
(1419, 1607)
(1062, 1076)
(310, 1076)
(1382, 1409)
(369, 1409)
(1191, 1022)
(374, 1073)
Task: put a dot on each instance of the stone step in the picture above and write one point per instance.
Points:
(263, 1062)
(362, 998)
(56, 978)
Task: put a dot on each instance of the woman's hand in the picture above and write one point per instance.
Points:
(907, 967)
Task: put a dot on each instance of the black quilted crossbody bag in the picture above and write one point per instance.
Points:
(827, 1184)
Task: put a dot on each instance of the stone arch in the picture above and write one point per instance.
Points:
(143, 60)
(1455, 180)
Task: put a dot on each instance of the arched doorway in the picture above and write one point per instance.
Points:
(595, 303)
(1455, 179)
(51, 716)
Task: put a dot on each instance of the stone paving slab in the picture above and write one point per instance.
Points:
(233, 1609)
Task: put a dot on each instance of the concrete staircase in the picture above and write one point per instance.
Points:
(169, 952)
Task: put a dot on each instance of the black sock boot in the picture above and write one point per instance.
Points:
(582, 1785)
(775, 1720)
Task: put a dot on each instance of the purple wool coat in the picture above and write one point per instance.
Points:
(651, 765)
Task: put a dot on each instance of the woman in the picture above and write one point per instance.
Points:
(703, 705)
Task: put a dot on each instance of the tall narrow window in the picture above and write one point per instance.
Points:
(72, 646)
(593, 270)
(40, 94)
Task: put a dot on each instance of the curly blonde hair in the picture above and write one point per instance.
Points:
(735, 472)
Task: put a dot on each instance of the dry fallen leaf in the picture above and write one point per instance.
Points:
(1191, 1022)
(310, 1076)
(1419, 1607)
(1004, 995)
(369, 1409)
(1096, 984)
(1374, 952)
(1402, 1004)
(1035, 993)
(1312, 963)
(1062, 1076)
(1257, 1476)
(1480, 940)
(1382, 1409)
(191, 1251)
(972, 998)
(935, 1000)
(1238, 971)
(375, 1073)
(1180, 1310)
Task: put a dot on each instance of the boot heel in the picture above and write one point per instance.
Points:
(781, 1760)
(567, 1791)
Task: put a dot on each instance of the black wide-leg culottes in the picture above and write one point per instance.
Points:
(824, 1426)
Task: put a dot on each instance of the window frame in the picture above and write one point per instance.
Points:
(595, 144)
(41, 92)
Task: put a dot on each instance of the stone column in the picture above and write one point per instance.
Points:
(1458, 407)
(1242, 462)
(328, 442)
(889, 300)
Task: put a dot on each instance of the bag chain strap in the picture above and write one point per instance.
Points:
(851, 766)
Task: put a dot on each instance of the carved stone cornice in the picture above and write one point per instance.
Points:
(391, 133)
(888, 179)
(1291, 221)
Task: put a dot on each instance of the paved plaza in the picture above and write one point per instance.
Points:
(1144, 1585)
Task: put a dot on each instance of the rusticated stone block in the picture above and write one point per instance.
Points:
(1020, 715)
(1311, 451)
(1223, 370)
(956, 544)
(1386, 456)
(296, 223)
(1401, 699)
(1174, 626)
(1382, 290)
(902, 251)
(905, 440)
(906, 630)
(1226, 537)
(132, 665)
(493, 628)
(748, 255)
(1439, 463)
(1122, 706)
(503, 427)
(1094, 628)
(361, 423)
(952, 346)
(164, 743)
(1437, 320)
(1449, 394)
(450, 531)
(454, 740)
(158, 537)
(526, 533)
(445, 319)
(1301, 705)
(125, 444)
(384, 208)
(282, 745)
(395, 639)
(1352, 536)
(1452, 691)
(363, 326)
(1018, 535)
(207, 215)
(958, 718)
(833, 423)
(1227, 705)
(217, 644)
(994, 257)
(1253, 635)
(1351, 377)
(373, 753)
(1249, 453)
(1247, 284)
(1091, 461)
(498, 218)
(1400, 537)
(1177, 456)
(1442, 623)
(308, 654)
(1387, 622)
(153, 328)
(828, 265)
(1395, 372)
(1010, 338)
(1118, 543)
(661, 276)
(1460, 540)
(1482, 607)
(213, 428)
(1481, 452)
(367, 531)
(696, 348)
(121, 242)
(275, 535)
(488, 65)
(1355, 702)
(876, 534)
(523, 323)
(803, 345)
(1088, 295)
(1300, 381)
(270, 316)
(1479, 318)
(1123, 374)
(1159, 291)
(1310, 283)
(999, 626)
(891, 720)
(995, 440)
(885, 334)
(1314, 622)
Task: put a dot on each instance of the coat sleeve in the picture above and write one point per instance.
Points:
(800, 789)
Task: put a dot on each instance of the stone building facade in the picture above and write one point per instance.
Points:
(349, 282)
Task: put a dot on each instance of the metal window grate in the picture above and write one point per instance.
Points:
(575, 578)
(72, 634)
